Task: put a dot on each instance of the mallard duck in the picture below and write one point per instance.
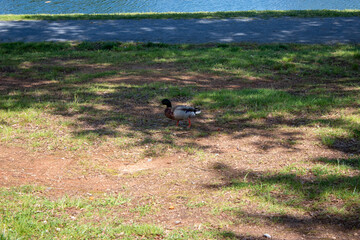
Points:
(179, 112)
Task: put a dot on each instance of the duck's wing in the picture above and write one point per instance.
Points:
(184, 112)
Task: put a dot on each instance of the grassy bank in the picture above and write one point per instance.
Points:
(175, 15)
(276, 148)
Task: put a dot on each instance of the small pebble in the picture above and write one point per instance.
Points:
(267, 235)
(177, 222)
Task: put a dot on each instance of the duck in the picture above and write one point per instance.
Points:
(180, 112)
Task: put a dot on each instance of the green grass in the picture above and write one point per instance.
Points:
(180, 15)
(25, 214)
(294, 190)
(259, 103)
(71, 109)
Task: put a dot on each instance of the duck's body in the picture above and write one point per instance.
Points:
(180, 112)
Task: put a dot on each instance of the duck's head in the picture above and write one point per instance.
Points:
(166, 102)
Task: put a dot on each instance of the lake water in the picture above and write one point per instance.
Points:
(123, 6)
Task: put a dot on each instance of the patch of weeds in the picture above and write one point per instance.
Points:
(8, 133)
(189, 148)
(199, 204)
(88, 136)
(111, 200)
(124, 142)
(139, 173)
(142, 210)
(294, 168)
(320, 170)
(342, 163)
(155, 150)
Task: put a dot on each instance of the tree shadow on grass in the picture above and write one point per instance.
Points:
(134, 107)
(348, 142)
(131, 100)
(315, 192)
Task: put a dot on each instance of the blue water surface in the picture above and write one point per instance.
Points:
(127, 6)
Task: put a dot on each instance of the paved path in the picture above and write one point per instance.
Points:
(286, 29)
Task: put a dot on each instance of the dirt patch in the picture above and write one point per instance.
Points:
(20, 167)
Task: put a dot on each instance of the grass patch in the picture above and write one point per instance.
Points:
(341, 133)
(26, 214)
(259, 103)
(180, 15)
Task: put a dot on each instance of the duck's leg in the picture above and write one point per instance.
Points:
(189, 123)
(177, 123)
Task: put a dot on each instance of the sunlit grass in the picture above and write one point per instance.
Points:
(184, 15)
(264, 101)
(24, 214)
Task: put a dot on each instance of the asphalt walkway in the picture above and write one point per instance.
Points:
(280, 30)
